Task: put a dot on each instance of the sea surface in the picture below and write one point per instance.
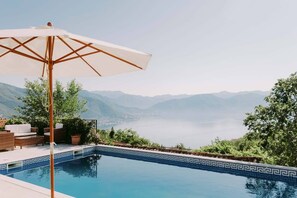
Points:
(193, 134)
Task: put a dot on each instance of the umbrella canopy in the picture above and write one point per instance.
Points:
(47, 51)
(25, 52)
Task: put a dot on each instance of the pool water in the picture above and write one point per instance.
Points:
(107, 176)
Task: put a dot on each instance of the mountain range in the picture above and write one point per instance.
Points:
(114, 107)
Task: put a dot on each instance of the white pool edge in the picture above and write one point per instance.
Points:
(24, 189)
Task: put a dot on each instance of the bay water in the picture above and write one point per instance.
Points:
(193, 134)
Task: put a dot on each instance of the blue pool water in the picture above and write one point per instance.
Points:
(107, 176)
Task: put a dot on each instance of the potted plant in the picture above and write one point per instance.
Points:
(77, 130)
(75, 139)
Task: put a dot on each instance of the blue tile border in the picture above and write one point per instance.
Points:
(45, 160)
(248, 169)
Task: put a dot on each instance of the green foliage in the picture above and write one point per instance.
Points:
(180, 146)
(40, 124)
(219, 146)
(130, 137)
(272, 128)
(15, 120)
(77, 126)
(275, 125)
(127, 136)
(242, 147)
(156, 145)
(93, 137)
(35, 102)
(72, 105)
(111, 134)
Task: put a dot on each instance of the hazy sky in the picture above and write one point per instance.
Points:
(197, 46)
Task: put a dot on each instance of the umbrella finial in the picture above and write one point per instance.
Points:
(49, 24)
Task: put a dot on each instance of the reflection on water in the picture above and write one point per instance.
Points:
(192, 134)
(84, 167)
(267, 189)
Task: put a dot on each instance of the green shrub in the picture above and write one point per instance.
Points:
(155, 145)
(242, 147)
(93, 137)
(219, 146)
(77, 126)
(127, 136)
(40, 124)
(180, 146)
(111, 134)
(15, 121)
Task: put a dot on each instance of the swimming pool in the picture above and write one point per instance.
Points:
(110, 176)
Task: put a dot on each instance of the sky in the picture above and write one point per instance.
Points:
(197, 46)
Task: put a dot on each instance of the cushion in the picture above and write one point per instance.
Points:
(19, 128)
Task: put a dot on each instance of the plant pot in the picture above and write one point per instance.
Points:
(75, 139)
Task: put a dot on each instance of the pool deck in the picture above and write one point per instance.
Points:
(12, 188)
(34, 151)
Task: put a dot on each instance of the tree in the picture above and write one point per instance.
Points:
(72, 105)
(35, 102)
(275, 124)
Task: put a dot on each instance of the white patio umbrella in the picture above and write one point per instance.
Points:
(40, 51)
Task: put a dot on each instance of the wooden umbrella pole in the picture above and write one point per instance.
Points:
(51, 123)
(51, 112)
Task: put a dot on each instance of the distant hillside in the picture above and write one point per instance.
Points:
(8, 99)
(226, 94)
(209, 106)
(111, 108)
(141, 102)
(105, 111)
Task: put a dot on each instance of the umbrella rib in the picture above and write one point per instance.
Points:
(61, 58)
(79, 56)
(21, 53)
(22, 44)
(52, 49)
(31, 39)
(99, 50)
(45, 55)
(75, 57)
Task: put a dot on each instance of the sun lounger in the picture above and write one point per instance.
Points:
(59, 135)
(6, 140)
(20, 130)
(28, 140)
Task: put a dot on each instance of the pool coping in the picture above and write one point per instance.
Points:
(200, 157)
(21, 188)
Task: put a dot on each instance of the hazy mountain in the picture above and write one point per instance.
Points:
(8, 99)
(110, 107)
(209, 106)
(226, 94)
(105, 111)
(141, 102)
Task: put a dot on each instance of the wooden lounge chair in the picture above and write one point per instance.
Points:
(59, 135)
(6, 140)
(28, 140)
